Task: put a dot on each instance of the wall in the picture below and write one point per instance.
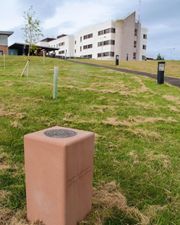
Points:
(94, 40)
(3, 39)
(4, 43)
(128, 37)
(4, 49)
(67, 47)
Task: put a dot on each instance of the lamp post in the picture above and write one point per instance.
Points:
(117, 60)
(160, 74)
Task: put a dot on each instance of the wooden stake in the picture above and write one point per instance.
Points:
(4, 59)
(26, 69)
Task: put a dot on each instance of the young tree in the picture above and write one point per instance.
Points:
(32, 33)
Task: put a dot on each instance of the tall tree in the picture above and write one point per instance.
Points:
(32, 33)
(159, 57)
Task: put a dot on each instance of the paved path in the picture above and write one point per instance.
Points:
(171, 80)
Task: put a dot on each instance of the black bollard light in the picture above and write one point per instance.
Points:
(117, 60)
(160, 74)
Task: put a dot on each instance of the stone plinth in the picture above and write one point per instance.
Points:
(59, 171)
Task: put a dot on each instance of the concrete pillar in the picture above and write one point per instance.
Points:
(59, 171)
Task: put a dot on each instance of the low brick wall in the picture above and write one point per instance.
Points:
(4, 49)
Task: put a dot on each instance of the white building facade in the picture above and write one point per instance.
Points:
(125, 38)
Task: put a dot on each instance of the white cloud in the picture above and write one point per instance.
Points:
(11, 14)
(84, 13)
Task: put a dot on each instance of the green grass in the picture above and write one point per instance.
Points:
(172, 68)
(137, 125)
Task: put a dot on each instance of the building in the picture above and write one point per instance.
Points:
(4, 41)
(22, 49)
(125, 38)
(64, 43)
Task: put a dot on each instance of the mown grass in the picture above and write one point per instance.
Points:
(172, 68)
(136, 121)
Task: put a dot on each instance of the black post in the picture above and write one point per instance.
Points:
(160, 74)
(117, 60)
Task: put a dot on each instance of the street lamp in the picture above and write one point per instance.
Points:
(160, 74)
(117, 60)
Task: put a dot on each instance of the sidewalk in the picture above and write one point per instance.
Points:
(171, 80)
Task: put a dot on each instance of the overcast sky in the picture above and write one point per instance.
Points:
(161, 17)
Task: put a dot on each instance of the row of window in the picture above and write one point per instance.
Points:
(101, 32)
(104, 54)
(107, 31)
(87, 46)
(109, 42)
(87, 56)
(90, 46)
(87, 36)
(61, 52)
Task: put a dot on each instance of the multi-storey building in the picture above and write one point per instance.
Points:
(125, 38)
(4, 41)
(64, 43)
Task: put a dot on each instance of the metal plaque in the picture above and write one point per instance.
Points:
(60, 133)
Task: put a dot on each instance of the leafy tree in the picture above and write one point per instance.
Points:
(32, 33)
(159, 57)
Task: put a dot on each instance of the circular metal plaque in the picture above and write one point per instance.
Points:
(60, 133)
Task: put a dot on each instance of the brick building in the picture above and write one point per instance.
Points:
(4, 41)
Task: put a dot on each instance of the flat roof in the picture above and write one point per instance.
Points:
(61, 35)
(47, 39)
(8, 33)
(22, 45)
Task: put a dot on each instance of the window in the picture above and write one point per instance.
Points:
(88, 36)
(144, 36)
(135, 44)
(87, 46)
(87, 56)
(80, 48)
(75, 50)
(106, 31)
(61, 43)
(113, 30)
(144, 47)
(80, 39)
(108, 42)
(100, 32)
(134, 55)
(143, 57)
(105, 54)
(135, 32)
(75, 42)
(61, 52)
(112, 54)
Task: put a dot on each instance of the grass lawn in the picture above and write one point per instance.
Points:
(137, 126)
(172, 67)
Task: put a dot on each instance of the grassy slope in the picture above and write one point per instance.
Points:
(172, 67)
(136, 123)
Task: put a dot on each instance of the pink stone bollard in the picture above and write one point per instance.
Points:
(59, 172)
